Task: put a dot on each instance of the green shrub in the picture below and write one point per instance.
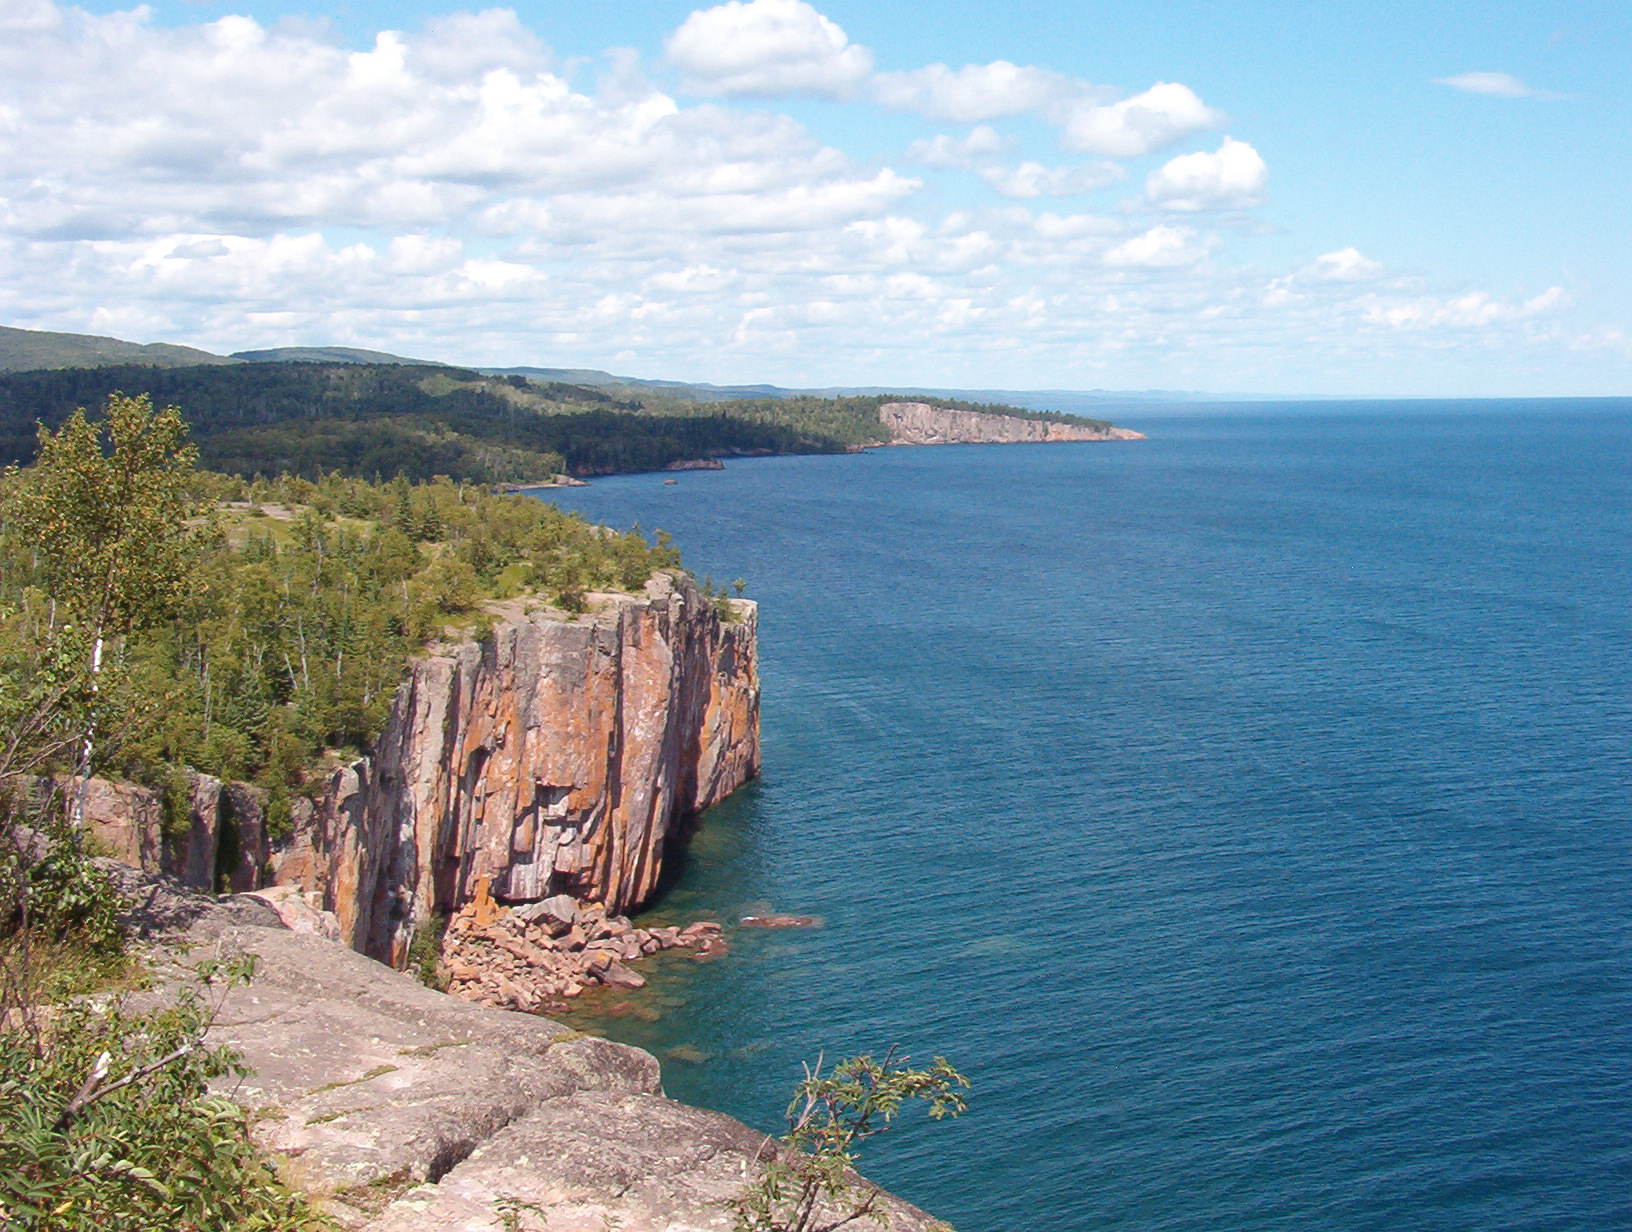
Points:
(425, 953)
(829, 1117)
(106, 1123)
(70, 899)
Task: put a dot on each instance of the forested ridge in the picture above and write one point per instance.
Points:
(377, 421)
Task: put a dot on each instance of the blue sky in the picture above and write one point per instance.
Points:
(1326, 199)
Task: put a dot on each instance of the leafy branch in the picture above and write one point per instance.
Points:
(809, 1178)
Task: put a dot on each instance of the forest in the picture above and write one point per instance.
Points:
(378, 421)
(291, 605)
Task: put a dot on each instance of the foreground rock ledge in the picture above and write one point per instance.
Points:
(402, 1109)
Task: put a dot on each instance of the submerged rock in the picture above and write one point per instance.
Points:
(780, 921)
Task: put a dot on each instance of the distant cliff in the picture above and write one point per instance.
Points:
(919, 423)
(556, 756)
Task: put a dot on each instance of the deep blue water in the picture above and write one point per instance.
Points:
(1246, 811)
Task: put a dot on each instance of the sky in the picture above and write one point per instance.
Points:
(1323, 199)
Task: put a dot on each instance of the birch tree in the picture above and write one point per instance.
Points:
(105, 508)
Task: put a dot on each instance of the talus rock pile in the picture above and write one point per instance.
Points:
(537, 956)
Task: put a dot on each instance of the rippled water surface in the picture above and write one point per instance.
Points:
(1246, 811)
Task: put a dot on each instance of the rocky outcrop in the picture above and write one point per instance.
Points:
(401, 1109)
(126, 821)
(919, 423)
(533, 957)
(214, 839)
(557, 756)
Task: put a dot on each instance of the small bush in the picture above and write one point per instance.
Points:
(425, 953)
(106, 1122)
(829, 1117)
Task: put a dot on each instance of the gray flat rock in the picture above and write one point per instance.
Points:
(402, 1109)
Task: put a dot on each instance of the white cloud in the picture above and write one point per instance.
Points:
(1470, 310)
(976, 91)
(979, 150)
(1089, 122)
(1344, 265)
(1613, 338)
(1161, 247)
(1031, 179)
(766, 49)
(1496, 85)
(981, 144)
(29, 16)
(1138, 125)
(454, 192)
(1232, 177)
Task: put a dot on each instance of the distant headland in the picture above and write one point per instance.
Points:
(369, 414)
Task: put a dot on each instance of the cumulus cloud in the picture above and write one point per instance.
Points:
(1344, 265)
(960, 153)
(1138, 125)
(766, 49)
(1088, 120)
(1232, 177)
(774, 48)
(1469, 310)
(455, 191)
(1496, 85)
(1031, 179)
(1161, 247)
(981, 150)
(976, 91)
(126, 129)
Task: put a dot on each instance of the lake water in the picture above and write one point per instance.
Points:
(1246, 812)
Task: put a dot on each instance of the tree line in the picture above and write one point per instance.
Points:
(377, 421)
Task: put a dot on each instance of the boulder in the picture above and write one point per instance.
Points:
(619, 976)
(298, 911)
(557, 913)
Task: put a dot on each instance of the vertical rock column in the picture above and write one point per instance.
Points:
(557, 757)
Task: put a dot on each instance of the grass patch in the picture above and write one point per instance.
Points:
(377, 1072)
(430, 1050)
(374, 1196)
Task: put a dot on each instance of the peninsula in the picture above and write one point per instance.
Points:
(313, 411)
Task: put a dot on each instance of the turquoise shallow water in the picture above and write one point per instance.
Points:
(1245, 811)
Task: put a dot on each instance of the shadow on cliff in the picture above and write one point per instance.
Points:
(709, 857)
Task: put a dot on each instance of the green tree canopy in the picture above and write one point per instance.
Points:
(104, 508)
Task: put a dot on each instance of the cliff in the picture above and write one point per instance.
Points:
(558, 755)
(919, 423)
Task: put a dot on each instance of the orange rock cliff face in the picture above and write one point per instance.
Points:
(556, 757)
(559, 755)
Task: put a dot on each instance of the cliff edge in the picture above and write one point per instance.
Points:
(557, 755)
(402, 1109)
(919, 423)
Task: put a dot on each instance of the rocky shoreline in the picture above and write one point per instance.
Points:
(920, 423)
(397, 1108)
(537, 956)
